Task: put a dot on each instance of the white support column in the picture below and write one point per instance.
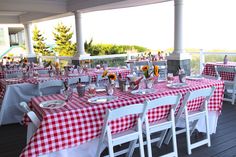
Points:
(79, 36)
(179, 52)
(178, 36)
(179, 58)
(28, 40)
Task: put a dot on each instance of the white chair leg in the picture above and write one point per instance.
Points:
(194, 124)
(174, 139)
(208, 131)
(168, 137)
(141, 148)
(162, 136)
(233, 98)
(30, 130)
(131, 148)
(188, 136)
(98, 152)
(149, 144)
(110, 144)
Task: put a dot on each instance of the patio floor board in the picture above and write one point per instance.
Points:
(12, 139)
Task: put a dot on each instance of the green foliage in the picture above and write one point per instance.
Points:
(62, 36)
(108, 49)
(87, 45)
(39, 43)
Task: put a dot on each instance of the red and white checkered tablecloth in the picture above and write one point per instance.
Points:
(80, 121)
(209, 70)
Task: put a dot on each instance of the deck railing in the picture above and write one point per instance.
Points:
(197, 61)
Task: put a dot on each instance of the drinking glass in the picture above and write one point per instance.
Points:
(68, 94)
(92, 90)
(170, 78)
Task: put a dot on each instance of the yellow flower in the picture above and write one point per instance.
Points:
(57, 65)
(112, 76)
(156, 70)
(145, 68)
(104, 73)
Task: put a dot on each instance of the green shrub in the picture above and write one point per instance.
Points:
(108, 49)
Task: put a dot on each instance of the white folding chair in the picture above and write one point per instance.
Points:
(160, 125)
(132, 134)
(230, 86)
(50, 84)
(35, 122)
(193, 117)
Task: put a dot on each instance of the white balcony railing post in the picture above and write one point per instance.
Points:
(40, 59)
(57, 57)
(202, 60)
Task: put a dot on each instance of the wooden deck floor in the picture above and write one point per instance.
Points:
(12, 139)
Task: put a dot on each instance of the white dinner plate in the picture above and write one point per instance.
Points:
(177, 85)
(102, 99)
(194, 78)
(143, 91)
(100, 89)
(52, 104)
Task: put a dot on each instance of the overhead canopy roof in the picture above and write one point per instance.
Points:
(23, 11)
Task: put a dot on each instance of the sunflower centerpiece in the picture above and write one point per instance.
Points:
(111, 78)
(150, 74)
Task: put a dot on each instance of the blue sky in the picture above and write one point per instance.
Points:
(209, 24)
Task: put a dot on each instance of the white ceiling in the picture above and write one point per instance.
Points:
(23, 11)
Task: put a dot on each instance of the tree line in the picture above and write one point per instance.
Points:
(65, 47)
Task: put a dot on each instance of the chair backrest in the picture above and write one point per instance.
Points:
(73, 81)
(42, 71)
(33, 117)
(13, 75)
(122, 112)
(226, 69)
(205, 93)
(83, 79)
(49, 84)
(141, 63)
(172, 100)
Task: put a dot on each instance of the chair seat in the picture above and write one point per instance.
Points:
(125, 136)
(158, 125)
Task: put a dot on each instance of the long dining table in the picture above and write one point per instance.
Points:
(79, 121)
(24, 89)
